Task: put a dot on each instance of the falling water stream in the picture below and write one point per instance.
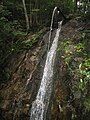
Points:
(40, 105)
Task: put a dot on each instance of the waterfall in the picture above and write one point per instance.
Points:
(40, 105)
(51, 27)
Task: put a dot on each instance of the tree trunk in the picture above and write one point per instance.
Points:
(26, 15)
(30, 14)
(36, 6)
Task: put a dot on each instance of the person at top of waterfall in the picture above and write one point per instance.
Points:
(58, 16)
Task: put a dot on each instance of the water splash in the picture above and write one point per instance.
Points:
(51, 26)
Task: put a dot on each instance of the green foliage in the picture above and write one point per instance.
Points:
(10, 31)
(79, 47)
(76, 57)
(67, 45)
(87, 103)
(85, 74)
(25, 44)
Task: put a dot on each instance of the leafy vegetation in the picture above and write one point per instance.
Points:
(76, 57)
(16, 36)
(13, 26)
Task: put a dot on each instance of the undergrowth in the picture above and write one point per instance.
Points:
(75, 55)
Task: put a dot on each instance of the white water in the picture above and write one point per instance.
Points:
(40, 105)
(51, 26)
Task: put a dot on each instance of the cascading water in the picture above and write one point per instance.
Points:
(40, 105)
(51, 26)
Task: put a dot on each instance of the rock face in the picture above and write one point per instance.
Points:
(26, 73)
